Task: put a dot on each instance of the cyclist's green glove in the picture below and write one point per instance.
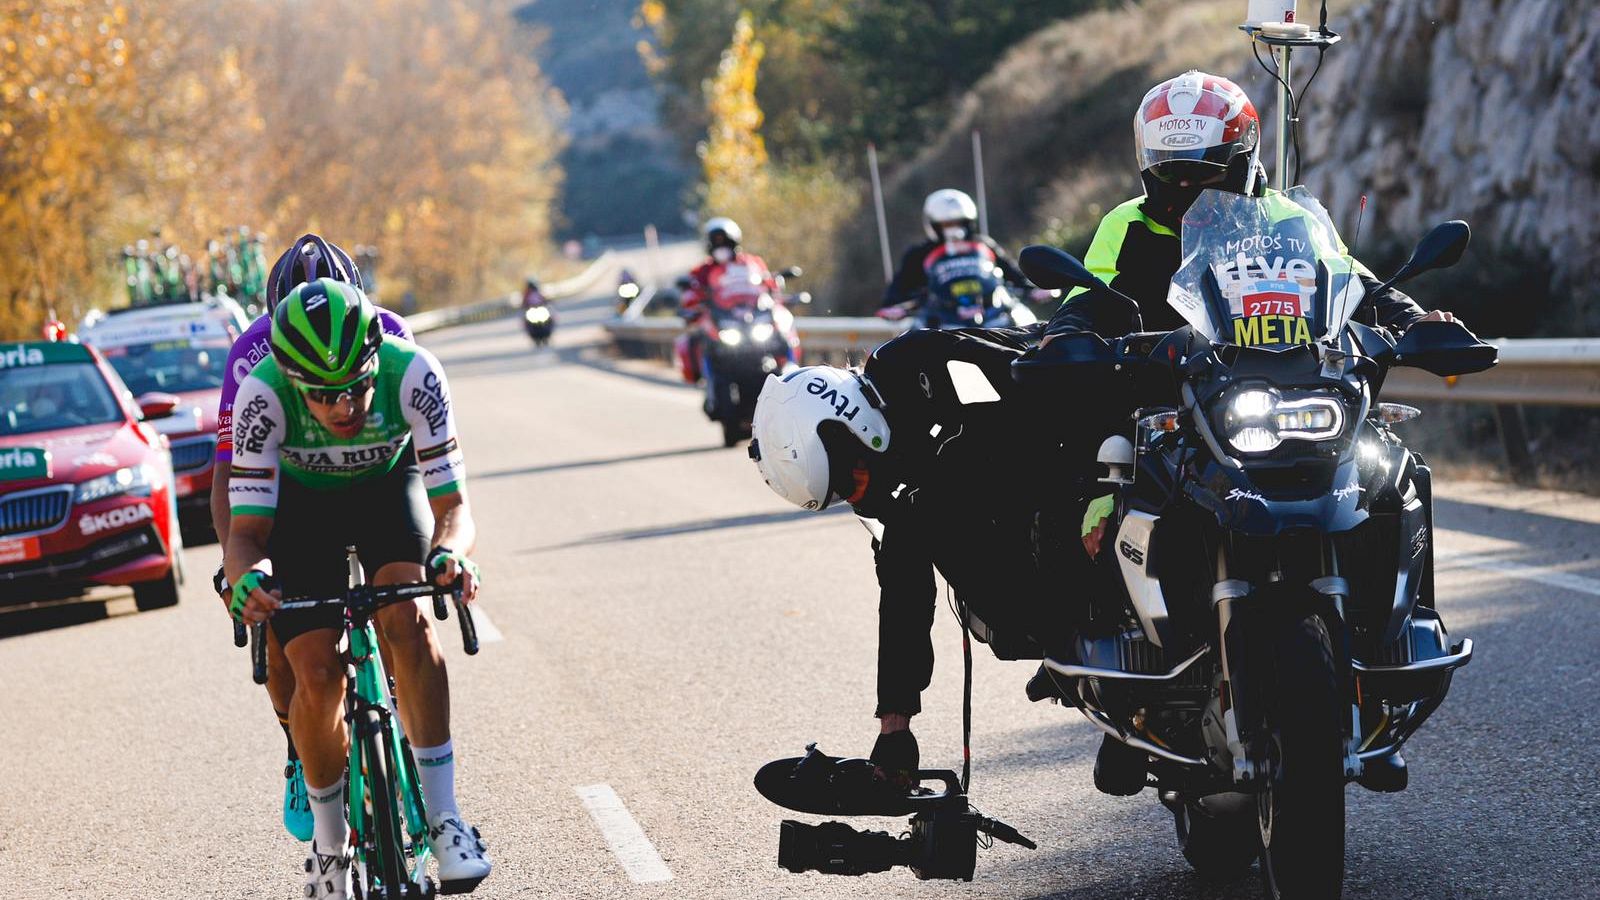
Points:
(1099, 510)
(247, 585)
(436, 561)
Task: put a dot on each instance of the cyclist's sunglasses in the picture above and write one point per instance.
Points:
(355, 389)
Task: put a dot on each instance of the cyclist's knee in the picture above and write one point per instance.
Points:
(314, 660)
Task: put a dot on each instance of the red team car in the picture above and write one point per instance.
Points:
(86, 484)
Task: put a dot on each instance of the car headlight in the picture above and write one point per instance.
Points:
(1256, 420)
(733, 337)
(760, 332)
(122, 481)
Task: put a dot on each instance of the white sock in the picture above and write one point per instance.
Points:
(327, 811)
(436, 769)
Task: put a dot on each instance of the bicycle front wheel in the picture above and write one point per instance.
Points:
(387, 858)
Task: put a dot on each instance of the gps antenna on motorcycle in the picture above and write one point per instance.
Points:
(1273, 24)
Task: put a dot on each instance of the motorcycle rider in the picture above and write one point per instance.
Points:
(899, 441)
(950, 219)
(1137, 247)
(531, 295)
(309, 258)
(730, 275)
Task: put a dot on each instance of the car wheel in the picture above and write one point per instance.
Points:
(159, 593)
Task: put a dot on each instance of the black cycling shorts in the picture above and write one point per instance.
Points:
(387, 519)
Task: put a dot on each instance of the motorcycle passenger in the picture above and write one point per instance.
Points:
(307, 259)
(330, 440)
(729, 276)
(900, 442)
(950, 219)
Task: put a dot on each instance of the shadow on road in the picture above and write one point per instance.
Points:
(695, 527)
(66, 615)
(595, 463)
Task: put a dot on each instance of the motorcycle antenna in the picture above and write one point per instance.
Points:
(1361, 213)
(1272, 23)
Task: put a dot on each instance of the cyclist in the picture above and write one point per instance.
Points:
(310, 257)
(346, 436)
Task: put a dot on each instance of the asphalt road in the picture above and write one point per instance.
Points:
(668, 625)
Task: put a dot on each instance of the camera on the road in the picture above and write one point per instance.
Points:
(941, 842)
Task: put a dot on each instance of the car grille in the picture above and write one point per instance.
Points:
(192, 454)
(38, 510)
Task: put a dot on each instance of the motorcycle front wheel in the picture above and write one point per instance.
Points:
(1300, 809)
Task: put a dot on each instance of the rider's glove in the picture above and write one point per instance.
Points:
(896, 755)
(437, 557)
(219, 583)
(247, 584)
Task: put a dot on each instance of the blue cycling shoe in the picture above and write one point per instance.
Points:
(296, 805)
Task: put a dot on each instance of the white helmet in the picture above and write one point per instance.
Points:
(786, 440)
(725, 225)
(948, 205)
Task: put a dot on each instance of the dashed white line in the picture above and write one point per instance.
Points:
(487, 633)
(635, 853)
(1511, 569)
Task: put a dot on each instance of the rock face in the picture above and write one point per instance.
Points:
(1487, 110)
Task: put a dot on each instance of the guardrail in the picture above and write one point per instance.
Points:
(1532, 372)
(499, 307)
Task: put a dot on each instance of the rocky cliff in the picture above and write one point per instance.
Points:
(1478, 109)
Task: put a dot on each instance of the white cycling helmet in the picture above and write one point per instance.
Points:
(725, 225)
(948, 205)
(793, 416)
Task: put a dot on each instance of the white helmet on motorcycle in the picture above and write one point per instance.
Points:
(948, 205)
(799, 431)
(728, 227)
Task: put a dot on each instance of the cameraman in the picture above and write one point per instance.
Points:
(911, 442)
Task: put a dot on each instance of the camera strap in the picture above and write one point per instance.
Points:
(960, 610)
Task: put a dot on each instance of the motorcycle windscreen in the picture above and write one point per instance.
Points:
(1267, 272)
(961, 278)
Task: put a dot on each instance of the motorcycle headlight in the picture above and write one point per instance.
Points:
(122, 481)
(537, 314)
(1256, 420)
(760, 332)
(733, 337)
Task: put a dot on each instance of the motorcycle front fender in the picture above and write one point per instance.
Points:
(1243, 506)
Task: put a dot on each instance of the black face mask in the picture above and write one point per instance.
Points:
(1166, 203)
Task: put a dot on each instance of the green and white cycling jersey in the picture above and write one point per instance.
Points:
(273, 432)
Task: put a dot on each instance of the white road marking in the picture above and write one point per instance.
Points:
(487, 633)
(635, 853)
(1523, 571)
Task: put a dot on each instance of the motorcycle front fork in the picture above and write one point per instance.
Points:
(1245, 672)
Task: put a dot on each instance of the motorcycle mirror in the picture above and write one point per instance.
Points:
(1440, 248)
(791, 272)
(1056, 270)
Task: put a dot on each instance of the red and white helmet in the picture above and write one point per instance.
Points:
(806, 426)
(1194, 127)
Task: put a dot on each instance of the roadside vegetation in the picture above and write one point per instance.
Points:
(417, 126)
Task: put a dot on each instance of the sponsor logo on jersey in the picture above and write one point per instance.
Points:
(443, 449)
(342, 460)
(254, 426)
(256, 353)
(243, 472)
(116, 518)
(430, 400)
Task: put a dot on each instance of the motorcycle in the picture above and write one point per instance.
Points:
(1273, 635)
(965, 290)
(540, 322)
(740, 344)
(628, 290)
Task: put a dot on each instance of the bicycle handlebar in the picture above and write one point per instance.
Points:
(376, 597)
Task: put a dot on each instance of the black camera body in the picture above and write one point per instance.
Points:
(940, 843)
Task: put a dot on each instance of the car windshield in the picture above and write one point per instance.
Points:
(170, 366)
(1265, 271)
(62, 395)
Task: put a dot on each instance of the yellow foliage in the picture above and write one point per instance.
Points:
(734, 155)
(417, 125)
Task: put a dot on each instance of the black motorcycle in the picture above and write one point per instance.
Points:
(539, 320)
(1273, 633)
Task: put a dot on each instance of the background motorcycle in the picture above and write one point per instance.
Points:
(1277, 636)
(740, 346)
(965, 290)
(540, 322)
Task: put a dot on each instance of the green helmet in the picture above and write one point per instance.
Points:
(324, 332)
